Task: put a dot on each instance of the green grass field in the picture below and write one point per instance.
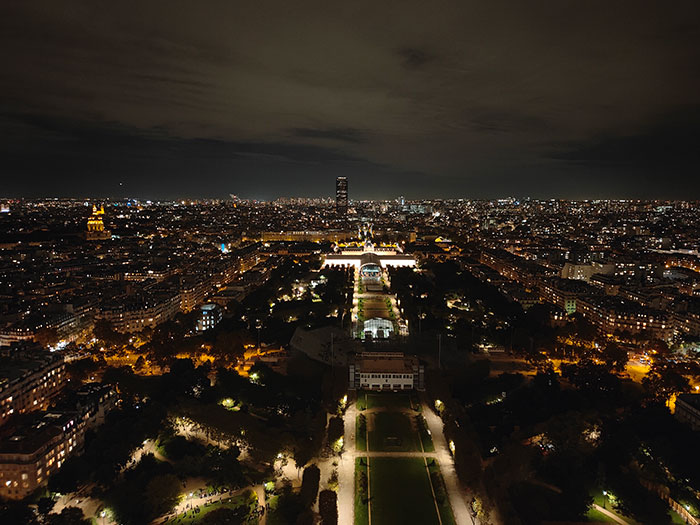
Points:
(595, 516)
(392, 432)
(235, 502)
(400, 492)
(388, 400)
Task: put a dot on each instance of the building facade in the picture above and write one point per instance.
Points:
(341, 195)
(209, 316)
(688, 410)
(386, 371)
(35, 446)
(29, 380)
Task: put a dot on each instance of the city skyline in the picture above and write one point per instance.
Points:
(465, 101)
(360, 263)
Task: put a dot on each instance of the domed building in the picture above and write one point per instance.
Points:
(96, 226)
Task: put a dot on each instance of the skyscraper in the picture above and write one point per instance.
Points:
(341, 194)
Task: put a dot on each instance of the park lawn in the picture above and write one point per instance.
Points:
(605, 502)
(446, 514)
(400, 492)
(388, 400)
(387, 426)
(676, 518)
(234, 503)
(595, 516)
(361, 508)
(360, 437)
(272, 517)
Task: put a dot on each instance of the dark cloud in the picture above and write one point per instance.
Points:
(671, 144)
(354, 136)
(414, 58)
(471, 99)
(112, 159)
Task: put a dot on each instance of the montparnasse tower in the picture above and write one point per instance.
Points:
(96, 226)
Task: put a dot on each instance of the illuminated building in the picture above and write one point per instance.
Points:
(35, 446)
(386, 371)
(369, 258)
(96, 226)
(209, 316)
(130, 315)
(34, 449)
(688, 410)
(29, 380)
(341, 195)
(378, 328)
(312, 236)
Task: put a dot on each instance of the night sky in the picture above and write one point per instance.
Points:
(474, 99)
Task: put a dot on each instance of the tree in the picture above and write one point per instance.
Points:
(591, 378)
(336, 428)
(162, 494)
(225, 516)
(631, 498)
(662, 381)
(363, 484)
(306, 517)
(104, 331)
(45, 505)
(304, 450)
(17, 512)
(546, 379)
(289, 505)
(226, 470)
(328, 507)
(69, 516)
(615, 356)
(47, 337)
(309, 485)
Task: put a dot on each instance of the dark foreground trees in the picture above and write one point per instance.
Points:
(328, 507)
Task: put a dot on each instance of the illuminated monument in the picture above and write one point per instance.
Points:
(96, 226)
(366, 256)
(375, 312)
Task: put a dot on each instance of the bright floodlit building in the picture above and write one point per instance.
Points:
(386, 371)
(209, 316)
(378, 328)
(96, 226)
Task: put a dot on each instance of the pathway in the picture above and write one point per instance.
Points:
(346, 470)
(610, 515)
(457, 494)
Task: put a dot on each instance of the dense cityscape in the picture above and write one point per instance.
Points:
(319, 360)
(358, 263)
